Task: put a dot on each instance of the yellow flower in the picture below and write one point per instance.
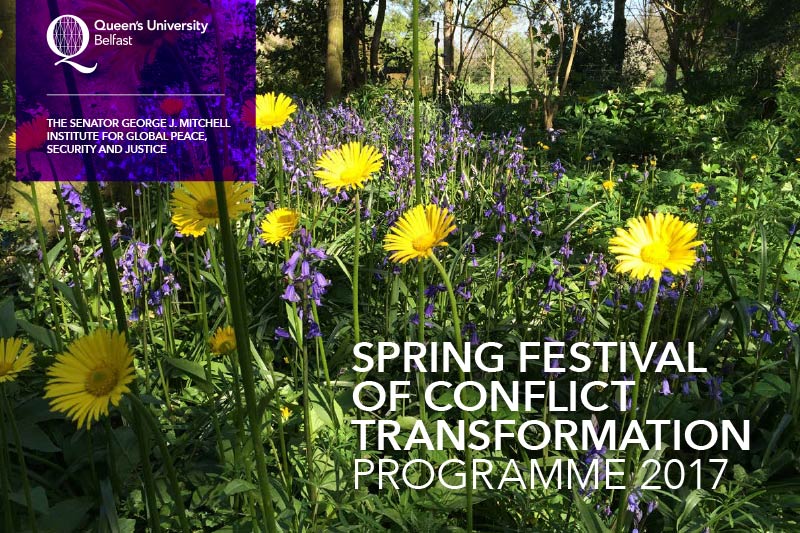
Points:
(272, 111)
(94, 372)
(194, 204)
(349, 166)
(609, 185)
(697, 187)
(588, 158)
(285, 413)
(12, 141)
(634, 166)
(653, 162)
(223, 341)
(753, 157)
(12, 360)
(418, 232)
(654, 243)
(279, 225)
(545, 147)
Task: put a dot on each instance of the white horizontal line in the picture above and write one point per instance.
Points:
(133, 94)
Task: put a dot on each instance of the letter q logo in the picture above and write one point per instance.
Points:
(68, 37)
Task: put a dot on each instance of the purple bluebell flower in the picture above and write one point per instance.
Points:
(715, 388)
(146, 276)
(306, 284)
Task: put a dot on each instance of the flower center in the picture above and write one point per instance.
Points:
(424, 242)
(267, 119)
(227, 346)
(351, 174)
(286, 219)
(656, 253)
(100, 381)
(207, 208)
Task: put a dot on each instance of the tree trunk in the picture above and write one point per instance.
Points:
(618, 31)
(550, 108)
(376, 39)
(355, 64)
(8, 43)
(532, 43)
(448, 44)
(437, 66)
(335, 52)
(671, 68)
(492, 59)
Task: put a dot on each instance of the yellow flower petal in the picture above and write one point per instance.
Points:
(279, 225)
(194, 204)
(13, 358)
(349, 166)
(224, 341)
(272, 111)
(94, 372)
(418, 232)
(653, 244)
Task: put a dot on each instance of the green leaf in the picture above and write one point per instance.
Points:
(38, 499)
(33, 438)
(322, 412)
(33, 411)
(776, 435)
(67, 292)
(190, 368)
(109, 508)
(691, 501)
(66, 516)
(127, 525)
(718, 254)
(763, 262)
(39, 334)
(8, 320)
(237, 486)
(295, 325)
(590, 519)
(53, 252)
(210, 277)
(407, 422)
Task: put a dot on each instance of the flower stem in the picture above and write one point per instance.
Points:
(237, 302)
(417, 150)
(77, 279)
(26, 484)
(356, 253)
(172, 475)
(238, 305)
(421, 385)
(648, 318)
(48, 274)
(309, 437)
(147, 471)
(112, 462)
(416, 95)
(97, 200)
(462, 377)
(5, 463)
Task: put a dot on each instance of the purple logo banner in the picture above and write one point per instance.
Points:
(136, 90)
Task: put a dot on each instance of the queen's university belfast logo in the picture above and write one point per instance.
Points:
(68, 37)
